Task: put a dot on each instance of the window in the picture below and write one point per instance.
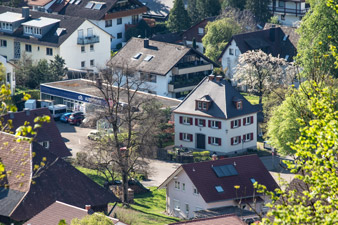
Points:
(8, 78)
(28, 48)
(108, 23)
(177, 205)
(235, 123)
(183, 186)
(287, 57)
(248, 120)
(200, 122)
(219, 188)
(187, 209)
(236, 140)
(231, 51)
(3, 43)
(248, 137)
(202, 105)
(80, 33)
(119, 35)
(239, 105)
(186, 137)
(83, 64)
(282, 17)
(201, 30)
(253, 180)
(91, 47)
(196, 191)
(44, 144)
(186, 120)
(281, 4)
(215, 124)
(90, 32)
(83, 49)
(177, 185)
(214, 141)
(38, 48)
(134, 19)
(49, 51)
(119, 21)
(91, 62)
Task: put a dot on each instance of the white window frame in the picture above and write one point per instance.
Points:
(236, 140)
(91, 47)
(201, 30)
(200, 122)
(83, 49)
(213, 124)
(231, 51)
(247, 137)
(177, 205)
(185, 120)
(214, 141)
(187, 209)
(248, 121)
(236, 123)
(84, 64)
(177, 185)
(92, 63)
(204, 105)
(195, 191)
(44, 144)
(239, 105)
(183, 186)
(185, 137)
(199, 105)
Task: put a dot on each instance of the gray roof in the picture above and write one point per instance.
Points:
(165, 56)
(50, 39)
(222, 95)
(9, 199)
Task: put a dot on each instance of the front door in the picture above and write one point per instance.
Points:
(200, 141)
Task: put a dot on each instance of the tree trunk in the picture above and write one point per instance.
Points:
(124, 187)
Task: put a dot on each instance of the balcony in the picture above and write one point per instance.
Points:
(88, 40)
(191, 67)
(181, 84)
(283, 10)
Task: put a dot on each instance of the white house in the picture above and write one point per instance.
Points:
(110, 15)
(9, 72)
(169, 70)
(280, 41)
(289, 12)
(196, 189)
(216, 117)
(37, 35)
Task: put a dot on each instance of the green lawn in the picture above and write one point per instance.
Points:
(92, 175)
(253, 99)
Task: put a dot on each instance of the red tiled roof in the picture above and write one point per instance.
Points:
(249, 166)
(130, 12)
(219, 220)
(192, 32)
(48, 131)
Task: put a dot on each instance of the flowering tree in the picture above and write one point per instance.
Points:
(261, 72)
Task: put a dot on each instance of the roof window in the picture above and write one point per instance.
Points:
(225, 170)
(148, 58)
(77, 2)
(137, 56)
(285, 37)
(98, 5)
(219, 189)
(253, 180)
(72, 1)
(89, 5)
(286, 57)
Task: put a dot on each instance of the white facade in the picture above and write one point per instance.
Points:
(9, 73)
(69, 50)
(289, 13)
(226, 132)
(183, 198)
(229, 59)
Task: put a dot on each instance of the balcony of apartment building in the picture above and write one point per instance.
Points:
(186, 82)
(84, 40)
(191, 67)
(294, 7)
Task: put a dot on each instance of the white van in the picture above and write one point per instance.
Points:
(57, 110)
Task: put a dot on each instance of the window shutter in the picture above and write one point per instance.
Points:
(232, 141)
(209, 140)
(239, 139)
(232, 124)
(219, 124)
(209, 123)
(219, 141)
(190, 119)
(196, 105)
(251, 119)
(181, 136)
(196, 122)
(181, 119)
(239, 123)
(203, 123)
(244, 120)
(190, 137)
(244, 137)
(251, 136)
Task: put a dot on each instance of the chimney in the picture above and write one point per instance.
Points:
(11, 114)
(87, 207)
(272, 34)
(211, 77)
(27, 111)
(218, 78)
(99, 82)
(146, 43)
(214, 157)
(25, 12)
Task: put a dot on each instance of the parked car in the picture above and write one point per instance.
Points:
(76, 118)
(64, 117)
(94, 135)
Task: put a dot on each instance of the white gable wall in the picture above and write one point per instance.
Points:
(228, 61)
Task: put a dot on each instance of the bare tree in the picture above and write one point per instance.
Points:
(261, 72)
(133, 117)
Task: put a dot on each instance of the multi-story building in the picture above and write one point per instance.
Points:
(37, 35)
(169, 70)
(195, 189)
(216, 117)
(289, 12)
(110, 15)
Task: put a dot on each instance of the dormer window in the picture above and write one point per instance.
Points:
(203, 103)
(239, 104)
(200, 31)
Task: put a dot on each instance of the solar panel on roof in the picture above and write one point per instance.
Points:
(89, 5)
(71, 1)
(225, 170)
(77, 2)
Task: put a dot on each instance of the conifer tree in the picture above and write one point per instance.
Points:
(178, 17)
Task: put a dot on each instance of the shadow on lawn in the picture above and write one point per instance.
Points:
(154, 215)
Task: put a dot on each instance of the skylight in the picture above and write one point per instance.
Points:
(286, 57)
(89, 5)
(77, 2)
(253, 180)
(72, 1)
(225, 170)
(98, 6)
(285, 37)
(219, 188)
(137, 56)
(148, 58)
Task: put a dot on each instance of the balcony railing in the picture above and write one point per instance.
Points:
(88, 40)
(289, 10)
(185, 83)
(184, 68)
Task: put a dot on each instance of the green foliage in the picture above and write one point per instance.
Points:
(178, 17)
(141, 30)
(62, 222)
(93, 219)
(315, 200)
(57, 68)
(240, 4)
(193, 12)
(260, 8)
(207, 8)
(318, 36)
(274, 20)
(218, 34)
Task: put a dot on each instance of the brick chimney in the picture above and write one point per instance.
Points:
(11, 114)
(211, 77)
(218, 78)
(214, 157)
(25, 12)
(88, 207)
(27, 111)
(146, 43)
